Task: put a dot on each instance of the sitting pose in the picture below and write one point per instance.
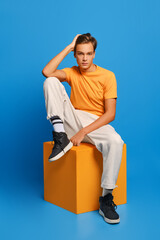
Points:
(85, 117)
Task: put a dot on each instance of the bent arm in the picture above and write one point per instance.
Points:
(107, 117)
(51, 67)
(50, 70)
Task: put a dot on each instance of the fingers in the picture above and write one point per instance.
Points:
(74, 41)
(75, 144)
(77, 36)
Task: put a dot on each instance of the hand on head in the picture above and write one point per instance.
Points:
(74, 41)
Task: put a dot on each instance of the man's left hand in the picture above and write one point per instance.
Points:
(77, 138)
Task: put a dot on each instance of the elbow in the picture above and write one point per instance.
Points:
(44, 73)
(112, 116)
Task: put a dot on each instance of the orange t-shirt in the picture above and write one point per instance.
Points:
(89, 89)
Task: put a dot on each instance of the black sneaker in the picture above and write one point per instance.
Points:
(107, 209)
(61, 145)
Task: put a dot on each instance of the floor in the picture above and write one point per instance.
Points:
(25, 215)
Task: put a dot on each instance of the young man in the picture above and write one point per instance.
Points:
(85, 117)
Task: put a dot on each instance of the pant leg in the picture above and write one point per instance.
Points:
(58, 103)
(106, 139)
(110, 144)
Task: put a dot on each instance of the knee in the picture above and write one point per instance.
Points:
(50, 81)
(116, 139)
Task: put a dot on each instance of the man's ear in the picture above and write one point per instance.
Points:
(74, 54)
(94, 54)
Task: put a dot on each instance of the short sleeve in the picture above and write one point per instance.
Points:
(68, 72)
(110, 87)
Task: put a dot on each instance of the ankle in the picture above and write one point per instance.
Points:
(106, 191)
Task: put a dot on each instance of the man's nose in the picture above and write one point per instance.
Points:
(84, 57)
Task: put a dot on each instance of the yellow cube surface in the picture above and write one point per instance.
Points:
(73, 182)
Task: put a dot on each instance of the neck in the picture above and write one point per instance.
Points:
(92, 68)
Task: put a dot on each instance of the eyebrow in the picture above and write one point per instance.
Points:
(82, 52)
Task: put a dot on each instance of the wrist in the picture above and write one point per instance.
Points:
(70, 47)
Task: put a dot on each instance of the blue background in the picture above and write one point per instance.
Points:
(32, 33)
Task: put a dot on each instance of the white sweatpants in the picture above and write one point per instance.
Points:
(105, 138)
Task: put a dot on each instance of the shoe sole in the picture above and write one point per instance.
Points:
(107, 219)
(66, 149)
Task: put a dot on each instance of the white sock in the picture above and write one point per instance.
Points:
(57, 124)
(106, 191)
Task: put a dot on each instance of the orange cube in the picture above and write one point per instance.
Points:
(73, 182)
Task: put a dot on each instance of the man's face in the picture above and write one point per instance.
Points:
(84, 55)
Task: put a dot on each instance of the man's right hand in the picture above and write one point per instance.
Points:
(50, 70)
(74, 41)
